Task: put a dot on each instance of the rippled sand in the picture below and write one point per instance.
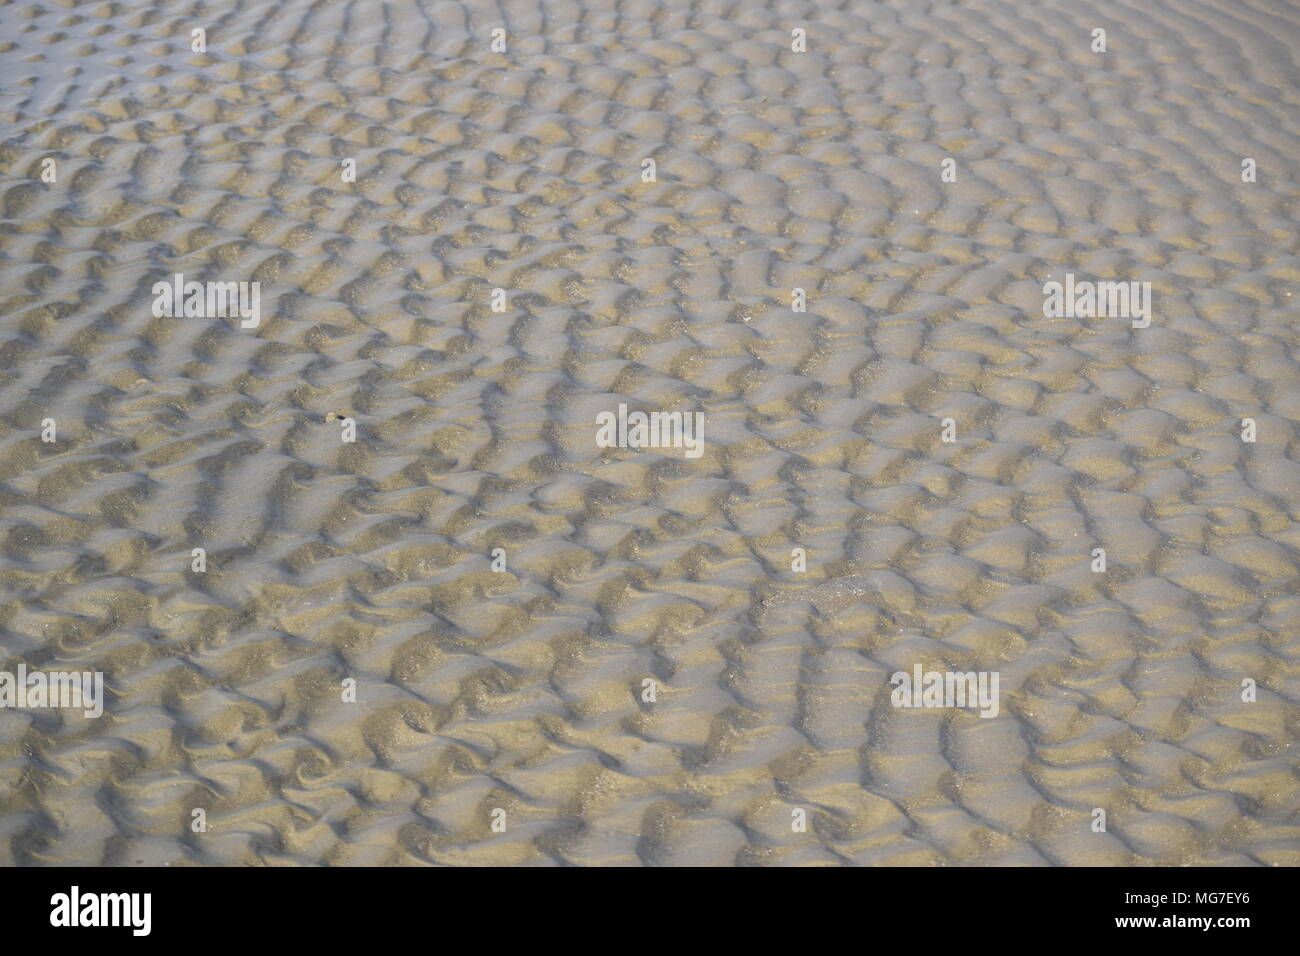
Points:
(522, 690)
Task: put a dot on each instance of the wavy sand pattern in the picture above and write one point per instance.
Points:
(523, 690)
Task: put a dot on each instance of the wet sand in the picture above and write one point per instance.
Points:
(522, 690)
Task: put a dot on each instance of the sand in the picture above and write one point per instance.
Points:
(523, 690)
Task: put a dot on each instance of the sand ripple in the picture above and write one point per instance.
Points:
(522, 690)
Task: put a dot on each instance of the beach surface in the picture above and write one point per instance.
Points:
(645, 676)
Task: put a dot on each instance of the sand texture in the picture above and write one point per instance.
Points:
(523, 690)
